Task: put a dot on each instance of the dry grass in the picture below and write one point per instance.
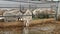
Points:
(11, 24)
(40, 23)
(11, 27)
(47, 23)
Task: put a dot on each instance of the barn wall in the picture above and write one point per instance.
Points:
(22, 4)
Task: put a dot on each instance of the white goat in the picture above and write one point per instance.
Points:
(37, 11)
(12, 13)
(28, 18)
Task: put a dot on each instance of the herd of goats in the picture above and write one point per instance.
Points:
(25, 15)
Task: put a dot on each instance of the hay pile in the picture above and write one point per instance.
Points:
(42, 29)
(39, 21)
(40, 26)
(11, 30)
(11, 24)
(11, 27)
(47, 27)
(58, 18)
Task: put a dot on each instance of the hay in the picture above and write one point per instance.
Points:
(53, 26)
(11, 27)
(41, 21)
(47, 23)
(58, 18)
(11, 24)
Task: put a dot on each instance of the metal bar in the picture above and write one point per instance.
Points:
(9, 7)
(22, 15)
(25, 7)
(57, 3)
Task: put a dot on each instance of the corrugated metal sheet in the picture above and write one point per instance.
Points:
(18, 4)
